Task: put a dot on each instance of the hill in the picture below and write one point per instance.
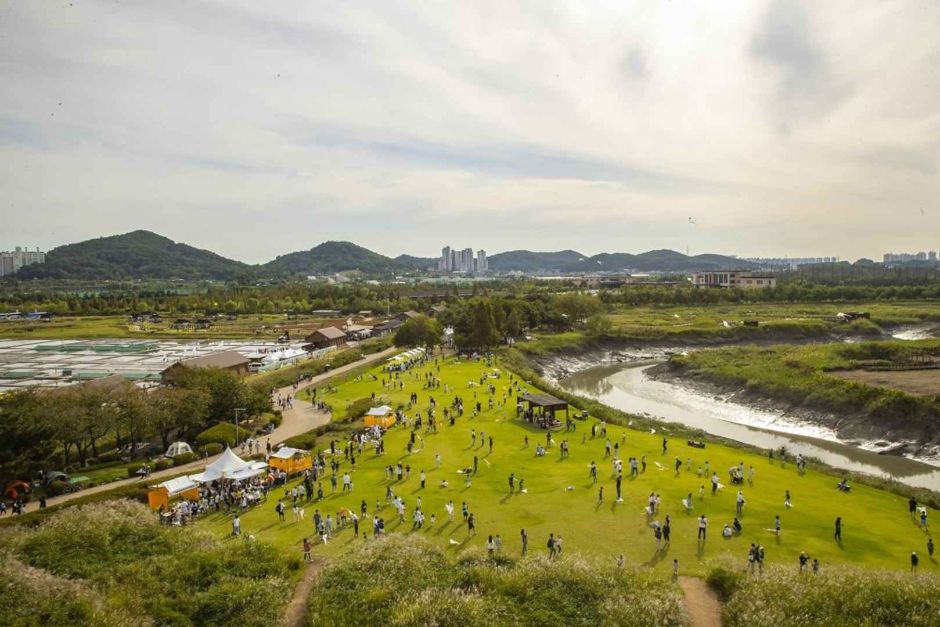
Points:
(418, 263)
(528, 261)
(134, 255)
(330, 257)
(657, 261)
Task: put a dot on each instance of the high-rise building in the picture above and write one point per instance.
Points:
(11, 261)
(453, 260)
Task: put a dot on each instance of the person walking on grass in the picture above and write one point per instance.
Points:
(914, 562)
(600, 495)
(551, 545)
(930, 547)
(307, 547)
(525, 542)
(837, 536)
(619, 479)
(702, 527)
(471, 526)
(512, 482)
(777, 525)
(593, 472)
(912, 506)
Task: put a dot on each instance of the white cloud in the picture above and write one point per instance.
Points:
(255, 129)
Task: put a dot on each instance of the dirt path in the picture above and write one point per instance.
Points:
(302, 418)
(700, 602)
(296, 610)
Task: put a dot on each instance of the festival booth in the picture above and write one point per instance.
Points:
(230, 466)
(382, 416)
(161, 494)
(290, 460)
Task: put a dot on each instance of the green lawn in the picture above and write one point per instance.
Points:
(877, 529)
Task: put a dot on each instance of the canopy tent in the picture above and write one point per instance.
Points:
(290, 460)
(381, 415)
(414, 353)
(178, 448)
(229, 466)
(180, 486)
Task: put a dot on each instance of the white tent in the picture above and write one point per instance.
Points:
(380, 411)
(178, 448)
(286, 452)
(230, 466)
(177, 485)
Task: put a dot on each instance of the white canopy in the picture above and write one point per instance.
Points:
(381, 410)
(286, 452)
(229, 466)
(177, 485)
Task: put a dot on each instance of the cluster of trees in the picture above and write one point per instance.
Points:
(78, 423)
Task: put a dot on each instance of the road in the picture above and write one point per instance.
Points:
(301, 418)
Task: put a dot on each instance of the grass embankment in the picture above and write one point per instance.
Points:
(115, 564)
(837, 596)
(878, 531)
(775, 321)
(400, 580)
(801, 375)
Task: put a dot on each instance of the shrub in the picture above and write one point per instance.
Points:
(404, 580)
(277, 417)
(121, 559)
(358, 408)
(222, 433)
(162, 464)
(184, 458)
(725, 580)
(839, 596)
(212, 448)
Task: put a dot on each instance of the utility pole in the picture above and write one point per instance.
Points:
(237, 410)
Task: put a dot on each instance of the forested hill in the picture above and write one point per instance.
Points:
(529, 261)
(657, 261)
(330, 257)
(135, 255)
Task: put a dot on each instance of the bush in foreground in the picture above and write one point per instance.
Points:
(404, 580)
(838, 596)
(97, 563)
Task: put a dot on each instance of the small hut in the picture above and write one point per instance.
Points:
(290, 460)
(382, 416)
(161, 494)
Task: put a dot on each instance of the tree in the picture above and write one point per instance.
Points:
(419, 331)
(224, 392)
(483, 331)
(26, 443)
(577, 307)
(598, 326)
(176, 410)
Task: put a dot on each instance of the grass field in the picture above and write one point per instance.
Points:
(878, 531)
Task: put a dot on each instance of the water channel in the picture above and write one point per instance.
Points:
(628, 388)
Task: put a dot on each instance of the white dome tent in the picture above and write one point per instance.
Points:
(178, 448)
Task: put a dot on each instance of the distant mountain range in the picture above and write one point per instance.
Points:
(146, 255)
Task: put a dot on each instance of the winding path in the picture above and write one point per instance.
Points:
(301, 418)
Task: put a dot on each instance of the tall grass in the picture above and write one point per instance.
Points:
(837, 596)
(404, 580)
(119, 561)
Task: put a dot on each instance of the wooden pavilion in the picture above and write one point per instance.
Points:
(542, 408)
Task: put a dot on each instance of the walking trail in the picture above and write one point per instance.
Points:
(297, 608)
(700, 602)
(302, 417)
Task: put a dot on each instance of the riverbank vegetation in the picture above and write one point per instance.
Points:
(404, 580)
(802, 375)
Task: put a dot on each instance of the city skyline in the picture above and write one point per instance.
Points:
(756, 129)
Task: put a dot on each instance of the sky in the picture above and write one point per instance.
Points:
(254, 129)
